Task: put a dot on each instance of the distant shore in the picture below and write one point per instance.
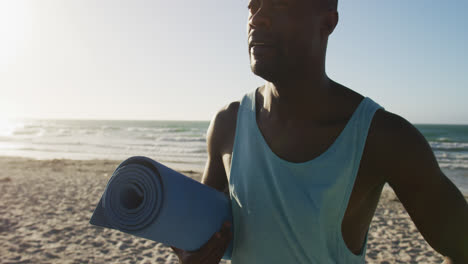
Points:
(45, 206)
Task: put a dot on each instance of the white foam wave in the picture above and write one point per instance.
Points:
(182, 139)
(161, 129)
(7, 128)
(449, 145)
(443, 139)
(453, 165)
(29, 132)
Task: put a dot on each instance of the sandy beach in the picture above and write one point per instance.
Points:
(45, 207)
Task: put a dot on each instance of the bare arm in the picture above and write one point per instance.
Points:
(220, 138)
(213, 176)
(434, 203)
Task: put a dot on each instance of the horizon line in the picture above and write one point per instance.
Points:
(165, 120)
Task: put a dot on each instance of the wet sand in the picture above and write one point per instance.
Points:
(45, 207)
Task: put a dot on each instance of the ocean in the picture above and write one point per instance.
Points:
(177, 144)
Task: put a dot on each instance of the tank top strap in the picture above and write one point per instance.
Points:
(248, 101)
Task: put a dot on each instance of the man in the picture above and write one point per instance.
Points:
(293, 148)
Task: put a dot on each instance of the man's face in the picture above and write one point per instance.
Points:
(284, 36)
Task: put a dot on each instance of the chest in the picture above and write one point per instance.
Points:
(300, 143)
(307, 143)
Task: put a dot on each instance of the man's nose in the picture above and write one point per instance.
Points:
(260, 19)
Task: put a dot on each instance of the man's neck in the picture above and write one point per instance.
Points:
(300, 100)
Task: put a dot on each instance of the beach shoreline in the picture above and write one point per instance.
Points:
(45, 207)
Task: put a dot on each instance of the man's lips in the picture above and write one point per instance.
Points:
(261, 44)
(260, 39)
(262, 49)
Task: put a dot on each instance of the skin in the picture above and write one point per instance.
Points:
(299, 100)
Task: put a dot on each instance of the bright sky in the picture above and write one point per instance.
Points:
(184, 60)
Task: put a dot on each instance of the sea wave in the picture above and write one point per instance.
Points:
(29, 132)
(453, 165)
(449, 146)
(444, 139)
(183, 139)
(159, 129)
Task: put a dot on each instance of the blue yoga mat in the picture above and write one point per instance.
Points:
(147, 199)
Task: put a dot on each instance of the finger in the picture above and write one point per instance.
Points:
(210, 248)
(224, 244)
(217, 254)
(214, 258)
(218, 245)
(226, 225)
(207, 247)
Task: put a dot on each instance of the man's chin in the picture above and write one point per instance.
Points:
(265, 71)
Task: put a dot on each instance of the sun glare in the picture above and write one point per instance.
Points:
(6, 126)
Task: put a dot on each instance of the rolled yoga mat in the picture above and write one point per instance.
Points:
(147, 199)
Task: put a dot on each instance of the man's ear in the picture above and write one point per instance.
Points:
(330, 20)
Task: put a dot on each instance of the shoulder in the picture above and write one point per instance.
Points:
(398, 146)
(225, 118)
(227, 113)
(394, 131)
(390, 126)
(222, 127)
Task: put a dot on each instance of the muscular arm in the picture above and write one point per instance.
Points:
(435, 205)
(219, 138)
(215, 177)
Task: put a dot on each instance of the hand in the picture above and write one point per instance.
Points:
(211, 252)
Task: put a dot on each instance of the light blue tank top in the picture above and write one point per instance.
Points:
(285, 212)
